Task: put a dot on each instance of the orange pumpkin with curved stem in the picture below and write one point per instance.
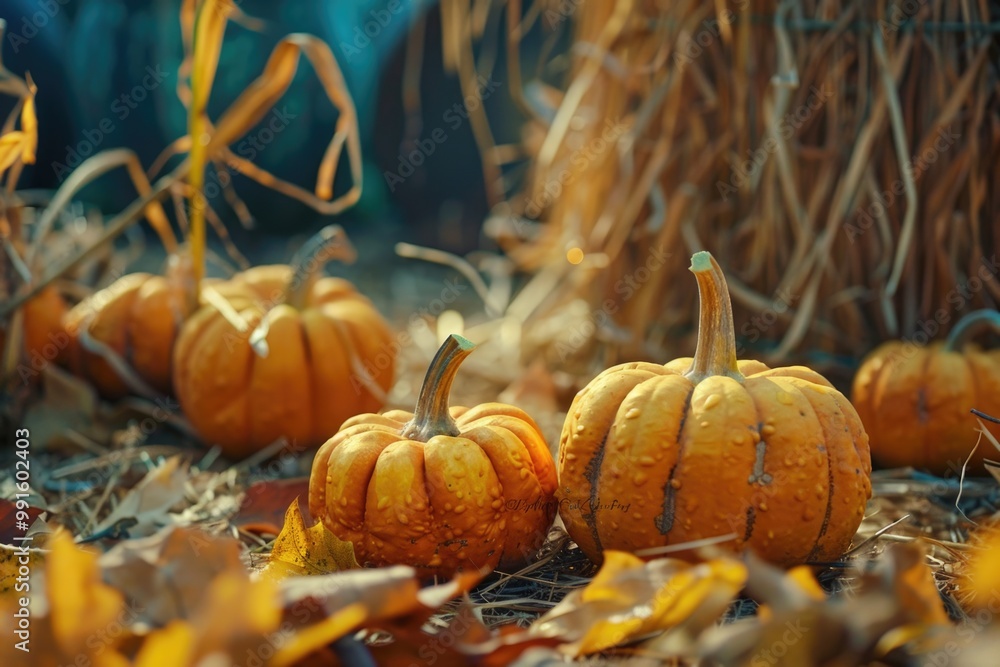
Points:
(124, 334)
(652, 456)
(283, 354)
(915, 400)
(441, 489)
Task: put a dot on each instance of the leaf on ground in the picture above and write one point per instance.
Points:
(981, 580)
(167, 575)
(629, 598)
(9, 519)
(75, 617)
(345, 601)
(12, 559)
(300, 551)
(151, 499)
(235, 618)
(895, 600)
(265, 503)
(68, 404)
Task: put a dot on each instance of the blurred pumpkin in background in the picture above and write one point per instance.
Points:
(280, 352)
(915, 399)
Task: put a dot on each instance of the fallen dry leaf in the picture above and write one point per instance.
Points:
(9, 519)
(894, 602)
(13, 564)
(151, 499)
(75, 617)
(166, 576)
(981, 580)
(629, 598)
(235, 618)
(265, 503)
(361, 598)
(300, 551)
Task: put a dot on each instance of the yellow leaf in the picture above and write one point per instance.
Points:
(319, 635)
(29, 126)
(10, 149)
(79, 601)
(299, 550)
(630, 598)
(175, 641)
(11, 562)
(982, 577)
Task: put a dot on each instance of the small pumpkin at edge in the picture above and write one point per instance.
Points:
(709, 446)
(440, 489)
(914, 400)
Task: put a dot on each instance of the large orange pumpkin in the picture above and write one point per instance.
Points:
(134, 321)
(915, 400)
(441, 489)
(776, 459)
(287, 354)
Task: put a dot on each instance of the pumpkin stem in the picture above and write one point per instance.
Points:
(327, 244)
(716, 350)
(974, 321)
(431, 416)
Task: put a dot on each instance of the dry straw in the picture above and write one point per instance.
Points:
(838, 158)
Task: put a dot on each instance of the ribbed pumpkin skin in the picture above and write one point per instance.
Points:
(476, 500)
(305, 387)
(781, 460)
(138, 317)
(915, 401)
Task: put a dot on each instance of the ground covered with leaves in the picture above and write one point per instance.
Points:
(145, 549)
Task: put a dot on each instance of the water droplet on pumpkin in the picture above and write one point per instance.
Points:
(646, 461)
(570, 456)
(639, 478)
(768, 429)
(402, 519)
(496, 504)
(739, 439)
(704, 424)
(762, 507)
(675, 483)
(712, 401)
(383, 502)
(580, 428)
(459, 494)
(459, 509)
(785, 398)
(632, 413)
